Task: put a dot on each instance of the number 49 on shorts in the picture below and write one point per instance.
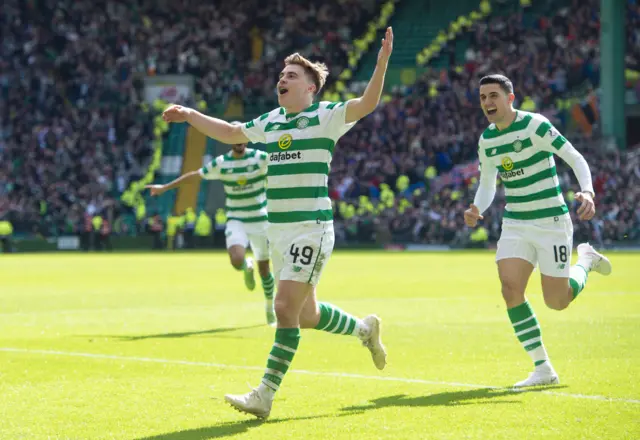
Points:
(305, 255)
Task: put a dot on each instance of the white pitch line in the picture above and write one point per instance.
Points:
(311, 373)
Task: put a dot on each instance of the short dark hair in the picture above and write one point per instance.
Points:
(504, 82)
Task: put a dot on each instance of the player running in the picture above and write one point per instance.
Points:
(243, 172)
(300, 138)
(536, 226)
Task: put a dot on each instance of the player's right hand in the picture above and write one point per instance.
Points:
(155, 190)
(472, 215)
(176, 113)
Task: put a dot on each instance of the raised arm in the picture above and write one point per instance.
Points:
(213, 127)
(192, 176)
(360, 107)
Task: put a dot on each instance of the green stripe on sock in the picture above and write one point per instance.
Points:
(286, 337)
(334, 320)
(352, 326)
(577, 279)
(525, 325)
(343, 322)
(530, 326)
(533, 346)
(325, 316)
(268, 284)
(520, 313)
(535, 333)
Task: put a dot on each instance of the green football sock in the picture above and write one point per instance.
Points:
(525, 324)
(577, 279)
(282, 352)
(268, 283)
(334, 320)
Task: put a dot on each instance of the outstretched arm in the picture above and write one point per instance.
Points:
(213, 127)
(193, 176)
(360, 107)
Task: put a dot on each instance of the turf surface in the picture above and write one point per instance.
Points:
(144, 346)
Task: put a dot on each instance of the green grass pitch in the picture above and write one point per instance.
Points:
(144, 346)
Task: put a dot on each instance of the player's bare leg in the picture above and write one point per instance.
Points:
(560, 292)
(329, 318)
(290, 299)
(239, 262)
(514, 275)
(268, 284)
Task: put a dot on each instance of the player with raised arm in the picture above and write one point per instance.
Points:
(300, 138)
(536, 226)
(243, 172)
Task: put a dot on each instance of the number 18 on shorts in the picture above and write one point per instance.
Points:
(548, 246)
(299, 253)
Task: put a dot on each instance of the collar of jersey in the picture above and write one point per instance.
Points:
(512, 122)
(293, 115)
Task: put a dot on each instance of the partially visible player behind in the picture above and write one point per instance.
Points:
(536, 226)
(300, 138)
(243, 173)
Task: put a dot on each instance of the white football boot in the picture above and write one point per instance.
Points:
(374, 341)
(253, 403)
(542, 375)
(249, 278)
(594, 260)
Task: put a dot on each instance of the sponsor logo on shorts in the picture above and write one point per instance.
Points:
(285, 141)
(283, 157)
(297, 268)
(561, 266)
(510, 174)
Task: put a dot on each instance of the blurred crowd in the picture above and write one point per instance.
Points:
(428, 128)
(74, 131)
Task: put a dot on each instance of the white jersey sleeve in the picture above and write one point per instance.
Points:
(554, 142)
(254, 130)
(211, 171)
(487, 187)
(335, 114)
(263, 161)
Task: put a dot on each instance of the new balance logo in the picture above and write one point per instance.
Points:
(561, 266)
(297, 268)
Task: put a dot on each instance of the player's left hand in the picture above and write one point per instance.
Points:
(155, 190)
(587, 209)
(387, 47)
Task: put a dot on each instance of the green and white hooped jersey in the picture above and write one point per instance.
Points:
(300, 148)
(523, 157)
(244, 184)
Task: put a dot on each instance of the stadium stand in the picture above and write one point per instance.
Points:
(74, 131)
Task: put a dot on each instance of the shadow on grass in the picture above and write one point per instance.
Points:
(447, 398)
(226, 429)
(213, 331)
